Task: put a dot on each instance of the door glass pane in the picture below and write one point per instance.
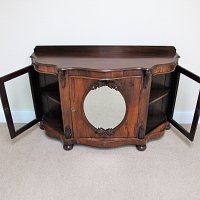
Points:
(186, 101)
(20, 100)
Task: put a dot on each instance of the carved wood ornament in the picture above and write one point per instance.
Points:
(105, 132)
(112, 85)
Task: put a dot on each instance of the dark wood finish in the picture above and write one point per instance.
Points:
(158, 59)
(146, 76)
(106, 51)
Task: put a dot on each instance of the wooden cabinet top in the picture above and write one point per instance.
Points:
(50, 59)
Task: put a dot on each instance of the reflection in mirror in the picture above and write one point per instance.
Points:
(186, 100)
(20, 100)
(104, 107)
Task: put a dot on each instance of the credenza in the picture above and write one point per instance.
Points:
(65, 79)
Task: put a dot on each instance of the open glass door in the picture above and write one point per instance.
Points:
(9, 85)
(194, 79)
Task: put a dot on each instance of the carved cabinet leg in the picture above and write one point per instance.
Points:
(141, 147)
(68, 147)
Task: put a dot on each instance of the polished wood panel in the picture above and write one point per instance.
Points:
(130, 88)
(106, 51)
(159, 59)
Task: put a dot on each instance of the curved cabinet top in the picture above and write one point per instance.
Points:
(52, 59)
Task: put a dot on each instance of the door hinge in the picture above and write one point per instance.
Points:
(141, 133)
(146, 77)
(68, 133)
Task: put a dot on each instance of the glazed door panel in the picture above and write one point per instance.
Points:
(32, 81)
(195, 78)
(128, 87)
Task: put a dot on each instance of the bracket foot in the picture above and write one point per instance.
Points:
(68, 147)
(141, 147)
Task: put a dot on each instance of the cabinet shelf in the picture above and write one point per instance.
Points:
(52, 91)
(154, 120)
(157, 94)
(54, 96)
(55, 121)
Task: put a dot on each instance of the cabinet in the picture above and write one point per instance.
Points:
(61, 77)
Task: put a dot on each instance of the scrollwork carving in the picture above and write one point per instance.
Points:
(111, 84)
(105, 132)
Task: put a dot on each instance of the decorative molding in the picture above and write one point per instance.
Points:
(110, 83)
(105, 132)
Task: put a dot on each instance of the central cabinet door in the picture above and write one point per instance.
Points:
(105, 107)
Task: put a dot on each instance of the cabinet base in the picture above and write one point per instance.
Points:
(105, 142)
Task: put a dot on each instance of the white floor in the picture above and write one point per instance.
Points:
(33, 166)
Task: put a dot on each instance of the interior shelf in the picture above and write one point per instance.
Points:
(54, 120)
(154, 120)
(53, 95)
(52, 91)
(157, 94)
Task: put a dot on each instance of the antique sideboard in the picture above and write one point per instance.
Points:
(62, 77)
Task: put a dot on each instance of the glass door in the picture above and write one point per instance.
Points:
(192, 91)
(16, 88)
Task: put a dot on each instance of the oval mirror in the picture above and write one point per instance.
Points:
(104, 107)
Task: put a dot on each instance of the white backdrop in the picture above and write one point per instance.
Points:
(25, 24)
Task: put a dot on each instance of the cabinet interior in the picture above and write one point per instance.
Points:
(159, 100)
(50, 99)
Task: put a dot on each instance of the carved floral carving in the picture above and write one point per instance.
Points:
(111, 84)
(105, 132)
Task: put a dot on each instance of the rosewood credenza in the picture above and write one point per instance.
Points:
(61, 77)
